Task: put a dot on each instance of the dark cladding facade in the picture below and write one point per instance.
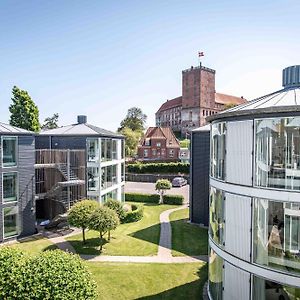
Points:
(199, 175)
(17, 185)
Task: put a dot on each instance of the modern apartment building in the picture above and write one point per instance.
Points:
(79, 161)
(254, 231)
(17, 209)
(198, 101)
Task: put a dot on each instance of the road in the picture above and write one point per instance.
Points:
(149, 188)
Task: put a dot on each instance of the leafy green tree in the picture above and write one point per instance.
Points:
(161, 186)
(48, 275)
(24, 112)
(116, 206)
(131, 140)
(51, 122)
(79, 214)
(103, 219)
(229, 105)
(135, 120)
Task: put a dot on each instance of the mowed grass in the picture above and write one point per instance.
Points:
(34, 245)
(149, 281)
(187, 239)
(137, 238)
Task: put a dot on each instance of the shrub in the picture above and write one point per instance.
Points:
(136, 213)
(173, 199)
(159, 168)
(49, 275)
(137, 197)
(79, 213)
(117, 206)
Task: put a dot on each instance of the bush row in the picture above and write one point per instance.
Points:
(135, 215)
(154, 198)
(136, 197)
(159, 168)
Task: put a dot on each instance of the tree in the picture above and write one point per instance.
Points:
(161, 186)
(135, 120)
(51, 122)
(48, 275)
(131, 140)
(103, 219)
(116, 206)
(24, 112)
(229, 105)
(79, 214)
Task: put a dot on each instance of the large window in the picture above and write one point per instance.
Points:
(218, 150)
(9, 146)
(93, 149)
(269, 290)
(215, 276)
(216, 216)
(109, 149)
(10, 216)
(278, 153)
(93, 179)
(276, 235)
(9, 187)
(109, 176)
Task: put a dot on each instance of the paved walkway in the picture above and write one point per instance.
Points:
(164, 254)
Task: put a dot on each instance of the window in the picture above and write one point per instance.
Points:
(122, 149)
(122, 172)
(277, 155)
(93, 149)
(114, 149)
(171, 153)
(147, 142)
(215, 276)
(108, 176)
(93, 179)
(218, 142)
(10, 221)
(190, 116)
(145, 152)
(9, 152)
(276, 234)
(9, 187)
(217, 216)
(158, 144)
(107, 149)
(153, 152)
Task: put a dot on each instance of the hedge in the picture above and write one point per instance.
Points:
(159, 168)
(137, 197)
(135, 215)
(173, 199)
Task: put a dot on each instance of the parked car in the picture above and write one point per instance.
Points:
(178, 182)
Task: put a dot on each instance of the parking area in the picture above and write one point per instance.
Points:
(149, 188)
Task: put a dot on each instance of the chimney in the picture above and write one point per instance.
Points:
(81, 119)
(291, 76)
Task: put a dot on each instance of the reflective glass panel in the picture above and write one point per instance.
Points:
(9, 146)
(9, 187)
(215, 276)
(276, 235)
(93, 149)
(10, 221)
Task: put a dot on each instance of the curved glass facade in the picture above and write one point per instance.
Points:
(218, 144)
(277, 158)
(276, 235)
(215, 272)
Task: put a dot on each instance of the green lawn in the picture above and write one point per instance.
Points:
(149, 281)
(138, 238)
(187, 239)
(34, 245)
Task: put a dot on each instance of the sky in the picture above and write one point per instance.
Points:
(99, 58)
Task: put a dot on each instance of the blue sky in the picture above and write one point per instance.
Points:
(100, 58)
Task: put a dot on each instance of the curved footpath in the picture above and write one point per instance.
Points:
(164, 254)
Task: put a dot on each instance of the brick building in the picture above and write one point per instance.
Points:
(158, 143)
(199, 100)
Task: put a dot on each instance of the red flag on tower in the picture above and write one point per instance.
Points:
(200, 54)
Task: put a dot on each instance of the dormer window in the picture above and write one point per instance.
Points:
(147, 142)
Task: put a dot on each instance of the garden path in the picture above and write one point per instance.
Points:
(164, 254)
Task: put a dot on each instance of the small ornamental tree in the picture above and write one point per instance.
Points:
(79, 214)
(103, 219)
(117, 206)
(161, 186)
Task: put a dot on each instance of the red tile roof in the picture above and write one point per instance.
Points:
(170, 104)
(163, 133)
(226, 99)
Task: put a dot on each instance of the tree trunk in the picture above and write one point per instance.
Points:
(101, 241)
(161, 198)
(83, 235)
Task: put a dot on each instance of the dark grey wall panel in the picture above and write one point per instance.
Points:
(26, 185)
(42, 142)
(61, 142)
(199, 177)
